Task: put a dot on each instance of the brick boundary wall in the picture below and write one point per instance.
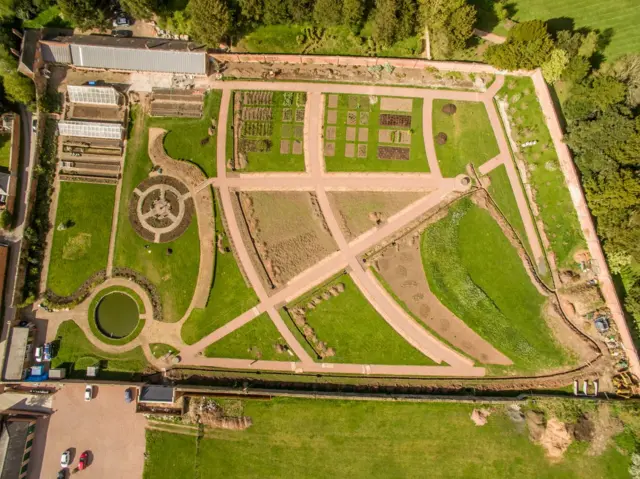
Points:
(572, 178)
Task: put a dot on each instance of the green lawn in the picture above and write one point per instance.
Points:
(350, 325)
(477, 274)
(5, 152)
(229, 297)
(160, 349)
(502, 193)
(255, 340)
(281, 129)
(367, 117)
(73, 351)
(83, 248)
(300, 438)
(182, 142)
(337, 40)
(551, 193)
(617, 20)
(470, 138)
(174, 275)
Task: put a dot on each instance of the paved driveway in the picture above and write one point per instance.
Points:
(106, 426)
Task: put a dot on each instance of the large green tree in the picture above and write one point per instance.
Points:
(450, 24)
(276, 12)
(328, 13)
(385, 22)
(353, 14)
(210, 20)
(528, 46)
(86, 14)
(142, 9)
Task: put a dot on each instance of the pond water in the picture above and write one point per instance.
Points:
(117, 315)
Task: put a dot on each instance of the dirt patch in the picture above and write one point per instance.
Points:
(359, 211)
(257, 97)
(299, 115)
(331, 133)
(298, 132)
(333, 101)
(287, 114)
(257, 114)
(401, 267)
(556, 439)
(350, 150)
(384, 136)
(362, 151)
(393, 153)
(297, 147)
(480, 416)
(288, 231)
(332, 117)
(583, 298)
(351, 133)
(329, 149)
(364, 117)
(363, 134)
(605, 428)
(76, 246)
(396, 104)
(388, 119)
(352, 118)
(284, 147)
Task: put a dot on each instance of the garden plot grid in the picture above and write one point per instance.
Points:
(373, 133)
(271, 129)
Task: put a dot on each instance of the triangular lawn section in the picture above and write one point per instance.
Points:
(255, 340)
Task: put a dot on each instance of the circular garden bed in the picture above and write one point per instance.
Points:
(114, 315)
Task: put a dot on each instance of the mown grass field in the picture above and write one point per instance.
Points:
(73, 351)
(174, 275)
(477, 274)
(350, 325)
(229, 297)
(182, 141)
(255, 340)
(470, 138)
(320, 438)
(340, 162)
(160, 349)
(547, 180)
(83, 248)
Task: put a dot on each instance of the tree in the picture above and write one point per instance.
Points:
(385, 22)
(86, 14)
(5, 220)
(627, 70)
(251, 10)
(450, 24)
(301, 11)
(407, 13)
(554, 67)
(528, 46)
(328, 13)
(632, 305)
(18, 88)
(210, 20)
(142, 9)
(501, 11)
(353, 14)
(275, 12)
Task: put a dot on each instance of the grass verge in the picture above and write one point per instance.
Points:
(82, 248)
(160, 349)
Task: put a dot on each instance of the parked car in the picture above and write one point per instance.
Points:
(84, 460)
(121, 33)
(88, 393)
(121, 20)
(47, 352)
(65, 459)
(128, 395)
(39, 354)
(34, 124)
(62, 474)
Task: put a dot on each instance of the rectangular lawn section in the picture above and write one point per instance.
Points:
(183, 140)
(354, 329)
(502, 193)
(255, 340)
(287, 129)
(300, 438)
(547, 180)
(368, 117)
(73, 351)
(81, 249)
(470, 138)
(229, 297)
(174, 275)
(477, 274)
(5, 152)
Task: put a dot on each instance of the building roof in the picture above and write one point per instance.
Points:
(5, 180)
(16, 354)
(162, 394)
(13, 438)
(136, 42)
(91, 129)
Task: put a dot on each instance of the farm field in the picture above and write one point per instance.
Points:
(269, 128)
(296, 437)
(468, 138)
(174, 275)
(372, 133)
(547, 180)
(258, 339)
(348, 327)
(183, 140)
(477, 274)
(80, 249)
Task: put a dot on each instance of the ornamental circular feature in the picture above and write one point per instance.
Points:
(161, 208)
(117, 315)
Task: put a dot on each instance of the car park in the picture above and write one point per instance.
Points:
(88, 392)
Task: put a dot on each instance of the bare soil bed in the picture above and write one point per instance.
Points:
(288, 230)
(403, 121)
(393, 153)
(359, 211)
(396, 104)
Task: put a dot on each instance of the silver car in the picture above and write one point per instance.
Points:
(65, 459)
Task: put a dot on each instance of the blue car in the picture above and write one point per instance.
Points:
(47, 352)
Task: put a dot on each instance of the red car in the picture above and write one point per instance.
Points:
(84, 461)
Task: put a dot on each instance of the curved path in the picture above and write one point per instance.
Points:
(316, 179)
